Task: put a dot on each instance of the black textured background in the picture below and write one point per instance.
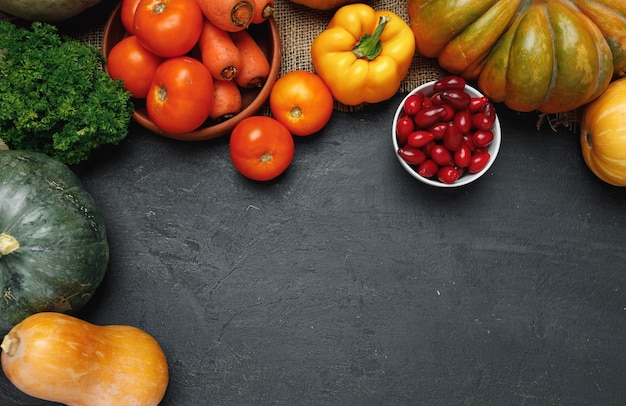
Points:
(347, 282)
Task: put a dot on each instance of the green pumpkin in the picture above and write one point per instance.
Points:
(53, 247)
(46, 10)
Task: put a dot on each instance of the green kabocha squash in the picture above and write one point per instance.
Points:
(53, 247)
(46, 10)
(547, 55)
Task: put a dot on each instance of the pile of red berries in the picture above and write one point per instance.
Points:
(447, 134)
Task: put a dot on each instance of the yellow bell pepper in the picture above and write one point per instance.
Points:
(363, 55)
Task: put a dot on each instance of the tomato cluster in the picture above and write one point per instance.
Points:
(190, 68)
(447, 134)
(161, 60)
(261, 148)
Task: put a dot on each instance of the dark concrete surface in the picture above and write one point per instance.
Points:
(347, 282)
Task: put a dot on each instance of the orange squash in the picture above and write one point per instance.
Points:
(603, 134)
(61, 358)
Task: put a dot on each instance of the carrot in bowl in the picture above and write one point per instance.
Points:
(218, 52)
(263, 9)
(227, 100)
(255, 67)
(229, 15)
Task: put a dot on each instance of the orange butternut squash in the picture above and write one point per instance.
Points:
(61, 358)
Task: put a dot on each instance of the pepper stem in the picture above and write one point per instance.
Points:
(369, 46)
(8, 244)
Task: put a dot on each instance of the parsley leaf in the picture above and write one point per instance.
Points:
(54, 96)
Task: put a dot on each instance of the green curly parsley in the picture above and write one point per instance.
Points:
(54, 96)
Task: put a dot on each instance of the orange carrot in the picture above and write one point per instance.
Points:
(218, 52)
(227, 100)
(255, 67)
(229, 15)
(263, 9)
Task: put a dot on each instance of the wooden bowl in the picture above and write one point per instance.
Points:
(266, 35)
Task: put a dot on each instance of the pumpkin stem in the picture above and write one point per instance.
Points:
(369, 46)
(10, 343)
(589, 140)
(8, 244)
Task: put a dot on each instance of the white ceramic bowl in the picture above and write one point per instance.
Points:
(493, 148)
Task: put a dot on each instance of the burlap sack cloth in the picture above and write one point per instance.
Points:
(300, 25)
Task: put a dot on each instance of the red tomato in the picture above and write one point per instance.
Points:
(168, 27)
(447, 174)
(302, 102)
(404, 127)
(441, 156)
(413, 103)
(180, 97)
(127, 14)
(261, 148)
(478, 161)
(428, 168)
(134, 65)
